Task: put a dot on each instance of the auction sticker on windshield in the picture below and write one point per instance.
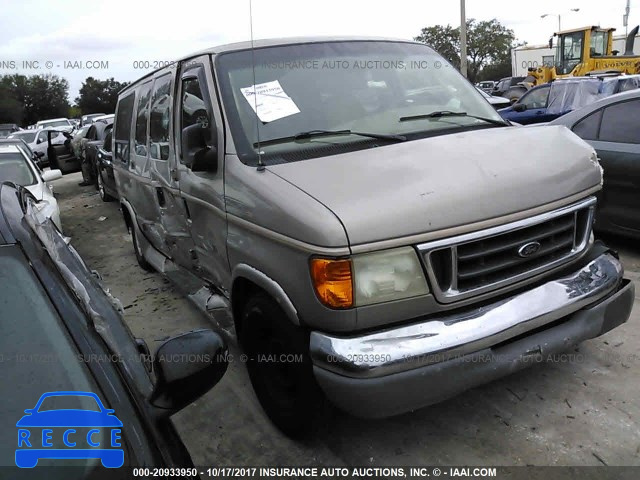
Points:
(269, 101)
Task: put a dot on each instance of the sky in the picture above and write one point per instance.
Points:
(115, 38)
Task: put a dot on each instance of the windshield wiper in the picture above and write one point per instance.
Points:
(328, 133)
(449, 113)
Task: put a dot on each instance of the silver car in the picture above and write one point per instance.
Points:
(346, 209)
(16, 167)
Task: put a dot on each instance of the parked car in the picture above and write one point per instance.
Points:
(94, 139)
(105, 118)
(18, 168)
(106, 180)
(547, 102)
(59, 124)
(371, 237)
(36, 157)
(612, 127)
(37, 141)
(486, 86)
(496, 102)
(88, 119)
(7, 129)
(61, 155)
(504, 84)
(54, 308)
(530, 107)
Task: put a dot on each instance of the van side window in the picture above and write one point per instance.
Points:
(194, 109)
(124, 115)
(159, 118)
(141, 120)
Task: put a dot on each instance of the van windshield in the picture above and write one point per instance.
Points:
(361, 86)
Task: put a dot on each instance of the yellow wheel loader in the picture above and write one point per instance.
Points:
(581, 52)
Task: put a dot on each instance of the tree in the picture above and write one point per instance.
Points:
(39, 96)
(443, 39)
(99, 95)
(488, 44)
(11, 110)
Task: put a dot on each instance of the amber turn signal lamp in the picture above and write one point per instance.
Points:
(333, 282)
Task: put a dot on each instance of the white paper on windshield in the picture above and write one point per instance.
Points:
(269, 101)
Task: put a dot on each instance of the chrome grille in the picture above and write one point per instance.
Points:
(482, 261)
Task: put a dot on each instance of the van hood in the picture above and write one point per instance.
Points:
(446, 181)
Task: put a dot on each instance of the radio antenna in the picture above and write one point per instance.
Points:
(255, 95)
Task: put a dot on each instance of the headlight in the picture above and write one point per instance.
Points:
(389, 275)
(368, 278)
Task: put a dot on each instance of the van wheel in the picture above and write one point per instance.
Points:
(103, 193)
(279, 367)
(141, 260)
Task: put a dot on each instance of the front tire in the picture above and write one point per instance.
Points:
(104, 196)
(139, 257)
(279, 367)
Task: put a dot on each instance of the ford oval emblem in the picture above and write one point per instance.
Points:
(528, 249)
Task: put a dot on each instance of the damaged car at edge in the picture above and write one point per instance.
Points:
(373, 243)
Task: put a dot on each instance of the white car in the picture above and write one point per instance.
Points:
(37, 141)
(62, 124)
(16, 167)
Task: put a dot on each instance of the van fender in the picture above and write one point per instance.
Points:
(269, 285)
(141, 239)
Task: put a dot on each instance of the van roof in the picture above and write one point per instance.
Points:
(272, 42)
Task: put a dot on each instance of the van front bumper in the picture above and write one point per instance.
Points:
(400, 369)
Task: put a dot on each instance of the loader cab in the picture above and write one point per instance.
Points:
(575, 47)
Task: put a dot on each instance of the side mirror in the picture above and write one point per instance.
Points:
(51, 175)
(519, 107)
(186, 367)
(196, 154)
(39, 154)
(39, 140)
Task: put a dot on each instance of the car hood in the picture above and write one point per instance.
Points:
(69, 418)
(446, 181)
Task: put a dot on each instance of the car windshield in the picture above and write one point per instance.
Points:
(39, 355)
(14, 168)
(28, 137)
(58, 123)
(362, 86)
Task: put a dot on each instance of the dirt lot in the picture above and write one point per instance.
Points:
(582, 411)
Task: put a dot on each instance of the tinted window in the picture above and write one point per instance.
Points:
(124, 115)
(587, 128)
(536, 98)
(141, 119)
(159, 120)
(621, 123)
(49, 355)
(92, 134)
(107, 142)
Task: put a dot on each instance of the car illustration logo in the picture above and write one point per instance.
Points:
(528, 249)
(93, 432)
